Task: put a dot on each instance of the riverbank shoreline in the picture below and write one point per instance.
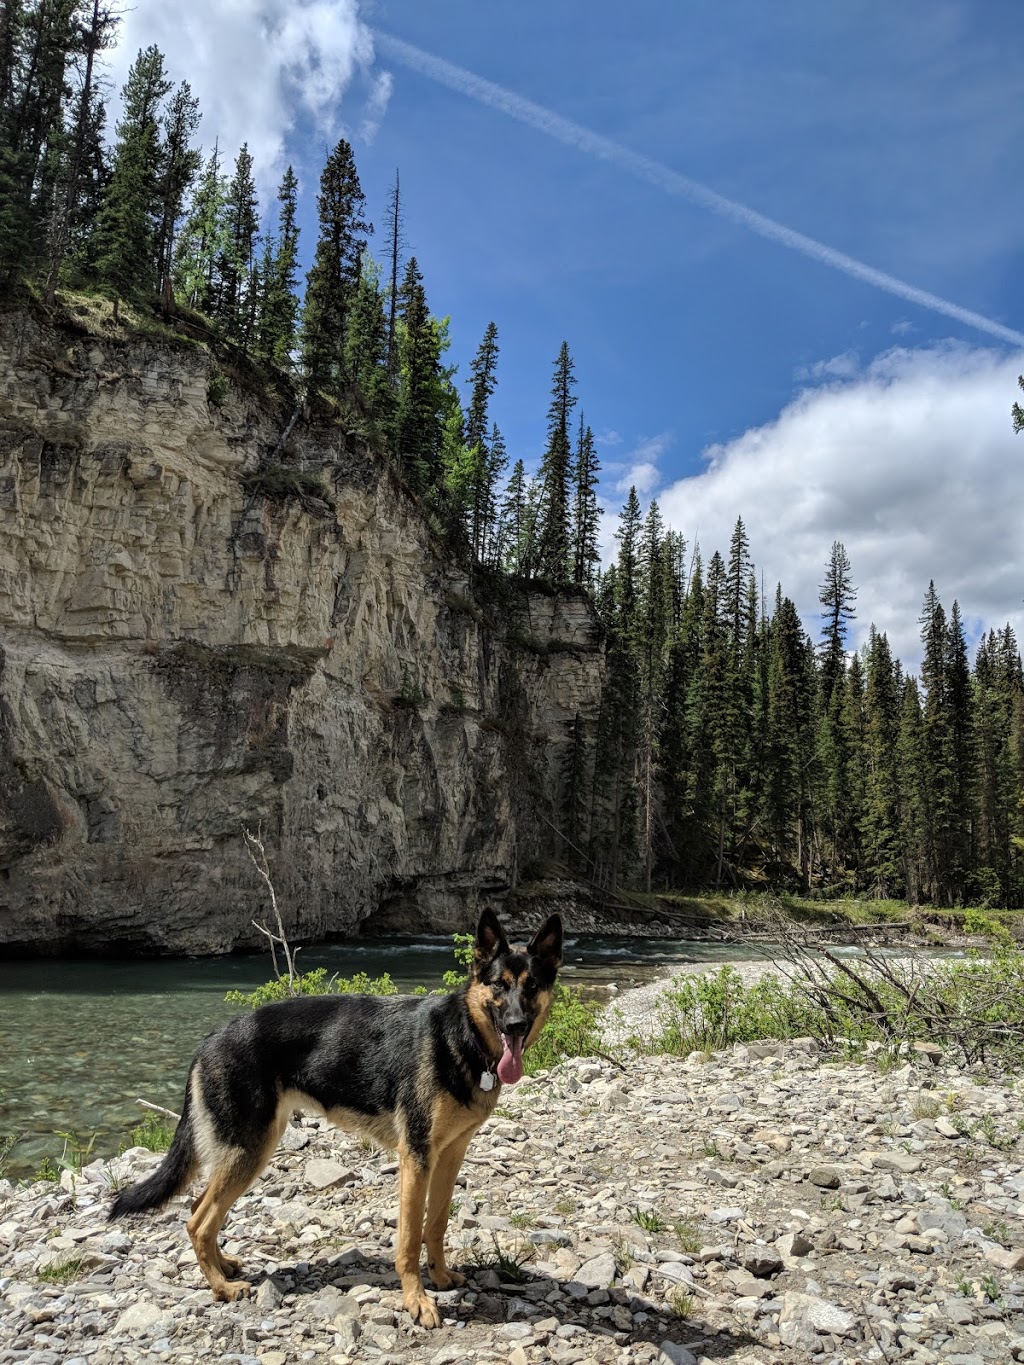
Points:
(762, 1204)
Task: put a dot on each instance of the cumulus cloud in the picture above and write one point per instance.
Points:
(912, 464)
(259, 65)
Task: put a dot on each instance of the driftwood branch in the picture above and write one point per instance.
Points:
(159, 1109)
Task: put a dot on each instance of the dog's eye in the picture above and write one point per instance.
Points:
(530, 986)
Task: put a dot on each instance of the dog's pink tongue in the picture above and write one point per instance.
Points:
(510, 1068)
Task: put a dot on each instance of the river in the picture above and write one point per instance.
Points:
(80, 1041)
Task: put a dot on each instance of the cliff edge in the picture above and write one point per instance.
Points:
(211, 619)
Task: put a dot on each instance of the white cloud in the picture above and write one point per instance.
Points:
(912, 464)
(257, 65)
(639, 468)
(902, 328)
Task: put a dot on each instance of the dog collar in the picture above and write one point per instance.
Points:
(488, 1077)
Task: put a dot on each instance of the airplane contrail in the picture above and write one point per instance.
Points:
(645, 168)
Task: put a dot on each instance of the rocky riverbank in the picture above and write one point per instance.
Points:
(761, 1205)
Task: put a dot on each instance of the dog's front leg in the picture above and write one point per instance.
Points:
(413, 1179)
(439, 1203)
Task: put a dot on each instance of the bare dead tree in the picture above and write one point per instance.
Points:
(258, 857)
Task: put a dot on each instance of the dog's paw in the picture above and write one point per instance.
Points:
(229, 1292)
(230, 1265)
(423, 1309)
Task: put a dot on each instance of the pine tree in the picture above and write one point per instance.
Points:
(36, 45)
(332, 280)
(482, 369)
(126, 232)
(837, 596)
(366, 351)
(236, 263)
(422, 406)
(880, 822)
(71, 211)
(393, 245)
(556, 475)
(278, 313)
(201, 242)
(180, 164)
(586, 556)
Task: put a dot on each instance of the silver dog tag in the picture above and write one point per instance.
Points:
(487, 1081)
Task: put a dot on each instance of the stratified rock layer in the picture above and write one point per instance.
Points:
(196, 637)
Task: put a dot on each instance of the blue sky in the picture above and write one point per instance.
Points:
(725, 373)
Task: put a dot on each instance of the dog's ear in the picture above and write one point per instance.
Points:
(547, 942)
(490, 940)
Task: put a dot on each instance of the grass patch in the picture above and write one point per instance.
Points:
(154, 1133)
(63, 1271)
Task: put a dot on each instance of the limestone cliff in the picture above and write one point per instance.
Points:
(204, 627)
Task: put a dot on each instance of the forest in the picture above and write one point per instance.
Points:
(733, 749)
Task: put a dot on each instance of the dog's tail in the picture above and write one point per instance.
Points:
(171, 1176)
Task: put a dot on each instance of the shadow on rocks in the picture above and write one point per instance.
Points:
(487, 1301)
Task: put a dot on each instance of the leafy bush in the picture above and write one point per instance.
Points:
(315, 982)
(714, 1010)
(571, 1030)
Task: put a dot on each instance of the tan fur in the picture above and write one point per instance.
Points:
(477, 998)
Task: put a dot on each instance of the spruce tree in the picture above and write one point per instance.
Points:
(482, 368)
(332, 280)
(236, 263)
(126, 258)
(422, 406)
(201, 242)
(837, 596)
(73, 208)
(586, 556)
(556, 476)
(180, 164)
(279, 314)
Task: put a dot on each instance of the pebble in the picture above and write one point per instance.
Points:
(592, 1228)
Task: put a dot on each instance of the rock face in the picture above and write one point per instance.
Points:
(204, 627)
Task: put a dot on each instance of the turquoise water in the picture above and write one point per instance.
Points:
(81, 1041)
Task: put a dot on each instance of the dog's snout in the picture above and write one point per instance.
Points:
(514, 1024)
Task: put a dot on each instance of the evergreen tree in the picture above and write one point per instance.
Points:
(280, 311)
(556, 475)
(180, 164)
(201, 243)
(482, 369)
(837, 596)
(36, 45)
(366, 350)
(73, 207)
(586, 516)
(126, 232)
(880, 822)
(393, 245)
(332, 280)
(423, 399)
(236, 263)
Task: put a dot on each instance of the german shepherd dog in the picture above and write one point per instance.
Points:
(419, 1074)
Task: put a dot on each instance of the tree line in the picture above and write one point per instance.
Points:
(731, 749)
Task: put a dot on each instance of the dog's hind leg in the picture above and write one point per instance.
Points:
(413, 1179)
(439, 1203)
(227, 1183)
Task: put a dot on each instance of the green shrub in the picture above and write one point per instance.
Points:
(571, 1030)
(217, 390)
(154, 1132)
(315, 982)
